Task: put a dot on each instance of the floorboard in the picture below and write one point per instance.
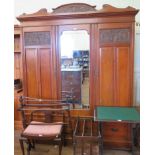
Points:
(42, 149)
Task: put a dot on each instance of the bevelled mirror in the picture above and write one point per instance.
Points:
(75, 67)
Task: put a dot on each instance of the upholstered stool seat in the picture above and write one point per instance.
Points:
(40, 129)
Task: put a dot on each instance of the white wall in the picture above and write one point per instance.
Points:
(30, 6)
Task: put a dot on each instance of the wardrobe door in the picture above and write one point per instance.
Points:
(114, 65)
(114, 83)
(39, 64)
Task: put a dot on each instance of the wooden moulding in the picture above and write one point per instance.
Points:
(77, 10)
(17, 30)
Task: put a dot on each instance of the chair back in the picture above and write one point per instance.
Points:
(44, 110)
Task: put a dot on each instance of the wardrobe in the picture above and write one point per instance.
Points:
(111, 58)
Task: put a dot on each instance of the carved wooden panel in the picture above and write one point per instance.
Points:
(74, 7)
(37, 38)
(114, 36)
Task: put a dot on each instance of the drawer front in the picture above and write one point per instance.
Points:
(117, 131)
(76, 94)
(70, 75)
(71, 83)
(71, 87)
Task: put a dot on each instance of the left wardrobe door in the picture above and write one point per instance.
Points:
(39, 62)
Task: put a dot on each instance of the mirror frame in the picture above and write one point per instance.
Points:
(87, 28)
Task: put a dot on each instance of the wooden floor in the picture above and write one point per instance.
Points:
(42, 149)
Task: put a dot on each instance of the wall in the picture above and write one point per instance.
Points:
(30, 6)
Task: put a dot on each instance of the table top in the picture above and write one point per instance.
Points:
(116, 114)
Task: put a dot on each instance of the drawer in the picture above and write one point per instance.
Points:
(71, 75)
(67, 78)
(71, 83)
(117, 131)
(71, 87)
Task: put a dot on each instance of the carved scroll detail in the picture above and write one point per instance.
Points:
(74, 7)
(114, 36)
(37, 38)
(109, 8)
(42, 11)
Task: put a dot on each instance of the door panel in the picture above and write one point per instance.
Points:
(45, 73)
(31, 69)
(106, 76)
(123, 76)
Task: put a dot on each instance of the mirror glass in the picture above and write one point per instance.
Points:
(75, 53)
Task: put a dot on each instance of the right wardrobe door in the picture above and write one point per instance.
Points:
(115, 74)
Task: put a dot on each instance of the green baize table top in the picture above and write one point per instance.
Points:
(128, 114)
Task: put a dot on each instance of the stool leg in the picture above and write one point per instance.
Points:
(33, 144)
(60, 148)
(28, 150)
(22, 146)
(29, 146)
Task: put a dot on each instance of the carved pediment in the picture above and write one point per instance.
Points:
(109, 8)
(74, 7)
(42, 11)
(77, 10)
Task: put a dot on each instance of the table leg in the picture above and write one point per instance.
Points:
(132, 139)
(133, 135)
(101, 141)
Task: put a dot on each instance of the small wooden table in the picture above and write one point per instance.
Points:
(117, 114)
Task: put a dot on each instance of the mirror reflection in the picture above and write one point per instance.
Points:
(75, 53)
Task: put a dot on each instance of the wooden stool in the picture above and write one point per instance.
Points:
(87, 133)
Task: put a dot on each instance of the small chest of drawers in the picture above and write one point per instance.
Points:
(71, 81)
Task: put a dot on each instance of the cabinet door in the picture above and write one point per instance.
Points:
(39, 70)
(114, 66)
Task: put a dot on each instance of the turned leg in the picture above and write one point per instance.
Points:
(22, 146)
(29, 146)
(33, 144)
(60, 148)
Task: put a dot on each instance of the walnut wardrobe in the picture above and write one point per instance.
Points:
(111, 58)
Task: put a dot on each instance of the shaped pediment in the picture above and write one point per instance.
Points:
(74, 7)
